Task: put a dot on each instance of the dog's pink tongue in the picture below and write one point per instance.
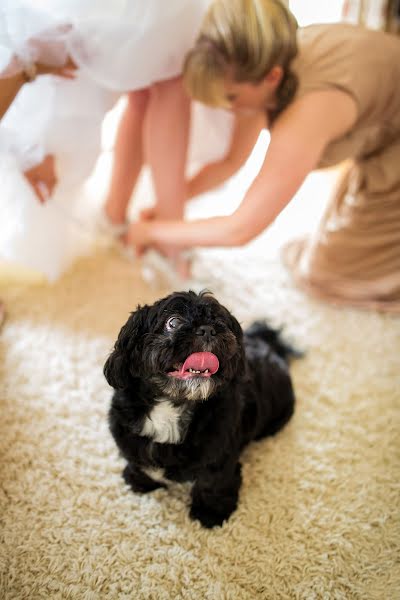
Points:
(201, 361)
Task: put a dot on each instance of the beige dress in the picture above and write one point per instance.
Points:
(354, 256)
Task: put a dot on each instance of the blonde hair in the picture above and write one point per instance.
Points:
(240, 39)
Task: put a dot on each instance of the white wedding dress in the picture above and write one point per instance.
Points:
(119, 45)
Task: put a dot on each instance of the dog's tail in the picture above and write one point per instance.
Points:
(273, 337)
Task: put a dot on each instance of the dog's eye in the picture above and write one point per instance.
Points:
(173, 323)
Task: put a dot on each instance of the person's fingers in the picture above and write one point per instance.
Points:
(127, 240)
(40, 190)
(66, 73)
(51, 176)
(50, 185)
(68, 69)
(71, 64)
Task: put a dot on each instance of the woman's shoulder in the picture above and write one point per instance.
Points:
(363, 63)
(328, 33)
(330, 42)
(345, 56)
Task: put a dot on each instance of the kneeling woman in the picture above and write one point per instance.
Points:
(327, 93)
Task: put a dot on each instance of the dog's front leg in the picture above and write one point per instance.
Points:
(215, 495)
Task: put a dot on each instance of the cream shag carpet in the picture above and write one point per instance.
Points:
(319, 508)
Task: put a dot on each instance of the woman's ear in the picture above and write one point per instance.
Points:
(126, 354)
(274, 75)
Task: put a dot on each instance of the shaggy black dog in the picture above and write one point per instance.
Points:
(191, 391)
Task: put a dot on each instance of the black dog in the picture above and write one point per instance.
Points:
(191, 391)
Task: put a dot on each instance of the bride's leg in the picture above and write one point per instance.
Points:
(128, 156)
(166, 137)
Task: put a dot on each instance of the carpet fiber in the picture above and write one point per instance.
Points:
(318, 516)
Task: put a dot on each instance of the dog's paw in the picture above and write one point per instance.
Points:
(208, 517)
(139, 482)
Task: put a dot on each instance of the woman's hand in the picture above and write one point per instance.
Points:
(67, 70)
(142, 238)
(139, 236)
(181, 234)
(48, 51)
(136, 232)
(42, 178)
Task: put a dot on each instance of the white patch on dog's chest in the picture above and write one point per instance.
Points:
(162, 424)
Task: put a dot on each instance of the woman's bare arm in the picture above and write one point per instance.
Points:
(298, 140)
(246, 130)
(10, 86)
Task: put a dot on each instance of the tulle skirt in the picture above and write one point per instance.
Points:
(118, 46)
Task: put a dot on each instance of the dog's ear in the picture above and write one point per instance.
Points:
(236, 328)
(119, 368)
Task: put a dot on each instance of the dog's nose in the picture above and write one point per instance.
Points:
(207, 330)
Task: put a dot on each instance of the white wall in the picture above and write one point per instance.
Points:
(316, 11)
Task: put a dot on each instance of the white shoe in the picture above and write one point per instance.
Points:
(108, 230)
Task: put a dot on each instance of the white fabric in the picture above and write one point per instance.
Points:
(64, 119)
(146, 41)
(118, 45)
(30, 34)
